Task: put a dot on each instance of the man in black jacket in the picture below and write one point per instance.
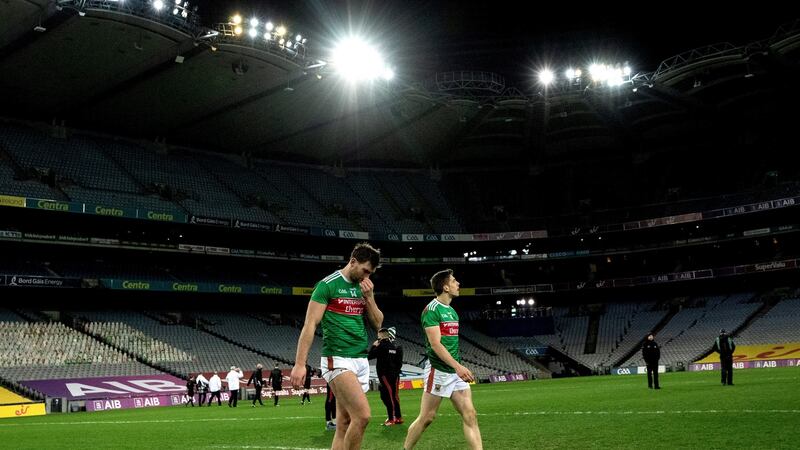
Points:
(725, 346)
(307, 385)
(257, 378)
(389, 362)
(190, 391)
(276, 379)
(651, 354)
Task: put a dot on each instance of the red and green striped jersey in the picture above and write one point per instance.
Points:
(437, 314)
(343, 330)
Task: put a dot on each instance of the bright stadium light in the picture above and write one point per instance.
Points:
(626, 71)
(252, 32)
(269, 26)
(175, 11)
(237, 30)
(569, 73)
(158, 5)
(578, 73)
(236, 20)
(546, 76)
(298, 38)
(267, 36)
(282, 41)
(289, 44)
(281, 30)
(530, 301)
(253, 22)
(355, 60)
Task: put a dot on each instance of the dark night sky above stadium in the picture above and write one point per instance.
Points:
(515, 37)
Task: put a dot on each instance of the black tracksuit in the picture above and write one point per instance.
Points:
(257, 378)
(307, 385)
(725, 346)
(276, 378)
(330, 405)
(651, 354)
(202, 388)
(389, 358)
(190, 391)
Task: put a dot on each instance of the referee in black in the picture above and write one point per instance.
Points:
(257, 378)
(389, 358)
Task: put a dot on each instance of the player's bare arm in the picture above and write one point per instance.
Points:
(435, 338)
(313, 317)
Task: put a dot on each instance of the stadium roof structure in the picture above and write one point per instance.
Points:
(125, 72)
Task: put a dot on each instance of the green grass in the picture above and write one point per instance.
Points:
(692, 410)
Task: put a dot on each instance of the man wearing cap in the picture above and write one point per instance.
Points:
(389, 358)
(725, 346)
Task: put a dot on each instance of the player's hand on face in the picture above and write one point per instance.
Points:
(298, 376)
(367, 287)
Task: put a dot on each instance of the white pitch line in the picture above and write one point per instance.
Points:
(513, 413)
(268, 446)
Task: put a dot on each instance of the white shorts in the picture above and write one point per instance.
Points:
(333, 366)
(442, 384)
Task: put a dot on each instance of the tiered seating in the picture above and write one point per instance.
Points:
(305, 210)
(52, 350)
(570, 337)
(79, 158)
(125, 337)
(51, 344)
(206, 196)
(245, 184)
(210, 353)
(693, 330)
(779, 325)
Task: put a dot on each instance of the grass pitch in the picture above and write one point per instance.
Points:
(691, 411)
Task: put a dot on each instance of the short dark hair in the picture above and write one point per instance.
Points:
(439, 279)
(364, 252)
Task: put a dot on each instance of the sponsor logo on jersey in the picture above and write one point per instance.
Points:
(448, 328)
(347, 306)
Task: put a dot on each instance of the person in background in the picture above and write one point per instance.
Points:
(257, 378)
(201, 383)
(276, 379)
(307, 385)
(725, 346)
(651, 353)
(233, 377)
(330, 410)
(214, 386)
(190, 391)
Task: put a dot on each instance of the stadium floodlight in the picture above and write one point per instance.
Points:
(305, 40)
(289, 43)
(236, 19)
(282, 41)
(268, 36)
(569, 73)
(252, 32)
(158, 5)
(253, 22)
(298, 38)
(280, 30)
(355, 60)
(499, 302)
(546, 76)
(175, 11)
(530, 302)
(178, 2)
(269, 26)
(578, 73)
(626, 71)
(237, 30)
